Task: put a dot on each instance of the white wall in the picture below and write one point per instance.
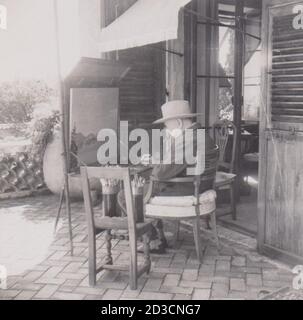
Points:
(79, 28)
(28, 46)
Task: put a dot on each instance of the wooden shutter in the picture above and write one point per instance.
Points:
(280, 219)
(286, 74)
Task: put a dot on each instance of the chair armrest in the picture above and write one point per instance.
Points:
(225, 166)
(177, 180)
(149, 192)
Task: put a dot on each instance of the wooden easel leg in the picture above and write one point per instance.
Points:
(65, 196)
(59, 210)
(69, 217)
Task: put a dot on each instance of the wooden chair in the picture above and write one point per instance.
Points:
(188, 208)
(107, 224)
(225, 177)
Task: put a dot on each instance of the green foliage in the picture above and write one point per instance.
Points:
(42, 131)
(226, 106)
(17, 99)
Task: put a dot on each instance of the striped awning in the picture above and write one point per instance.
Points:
(146, 22)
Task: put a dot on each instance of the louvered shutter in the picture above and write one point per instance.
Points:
(286, 68)
(280, 219)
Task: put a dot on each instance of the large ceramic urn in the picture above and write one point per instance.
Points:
(54, 174)
(53, 164)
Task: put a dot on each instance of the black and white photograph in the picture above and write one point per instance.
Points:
(151, 151)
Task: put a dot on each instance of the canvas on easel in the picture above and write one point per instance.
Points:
(92, 109)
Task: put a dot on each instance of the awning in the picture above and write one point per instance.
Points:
(99, 73)
(146, 22)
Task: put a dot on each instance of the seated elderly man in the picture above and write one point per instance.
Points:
(177, 118)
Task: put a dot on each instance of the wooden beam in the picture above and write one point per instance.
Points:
(207, 62)
(254, 4)
(214, 65)
(175, 64)
(238, 90)
(64, 120)
(190, 55)
(208, 40)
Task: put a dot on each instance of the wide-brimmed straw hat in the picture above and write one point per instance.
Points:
(178, 109)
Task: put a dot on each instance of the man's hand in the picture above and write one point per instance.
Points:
(146, 160)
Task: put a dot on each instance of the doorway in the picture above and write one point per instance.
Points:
(239, 101)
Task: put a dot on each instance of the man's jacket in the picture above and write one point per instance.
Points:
(169, 171)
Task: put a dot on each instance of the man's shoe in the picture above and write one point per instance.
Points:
(156, 247)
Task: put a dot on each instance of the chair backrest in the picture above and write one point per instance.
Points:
(211, 164)
(209, 174)
(223, 130)
(207, 177)
(121, 174)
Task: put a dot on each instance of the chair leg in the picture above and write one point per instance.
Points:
(233, 201)
(160, 230)
(147, 260)
(197, 236)
(133, 262)
(207, 223)
(108, 239)
(92, 260)
(177, 231)
(214, 227)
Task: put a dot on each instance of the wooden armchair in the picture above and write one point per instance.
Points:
(107, 224)
(225, 177)
(187, 207)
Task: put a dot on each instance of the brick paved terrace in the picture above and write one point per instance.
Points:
(40, 266)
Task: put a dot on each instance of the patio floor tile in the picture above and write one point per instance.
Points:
(201, 294)
(175, 275)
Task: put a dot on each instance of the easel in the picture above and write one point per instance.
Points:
(90, 73)
(62, 197)
(65, 188)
